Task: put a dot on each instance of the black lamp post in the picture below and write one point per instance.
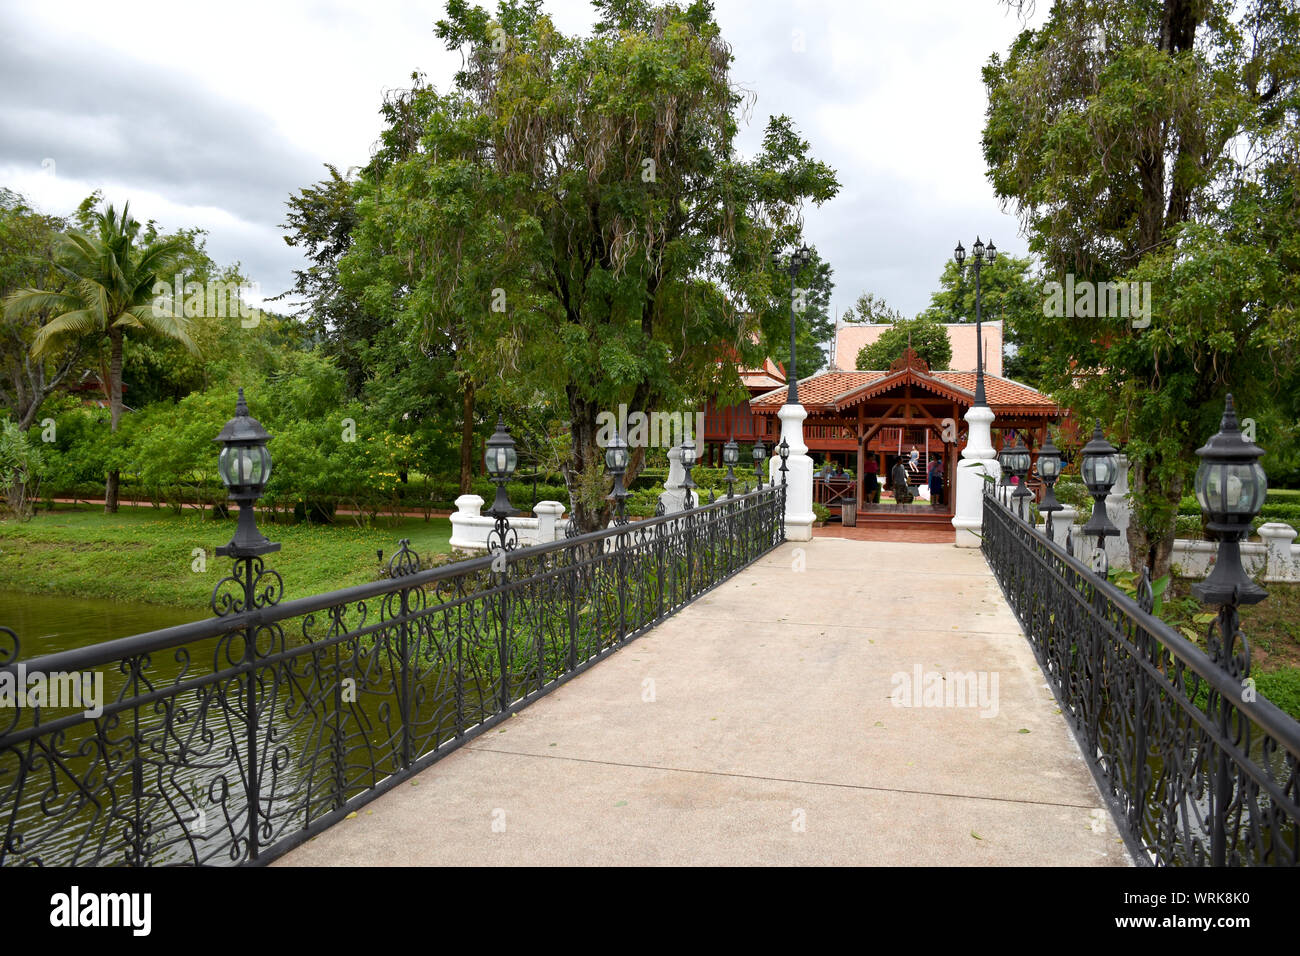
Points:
(1049, 469)
(245, 468)
(1099, 470)
(792, 266)
(1230, 485)
(760, 456)
(1020, 462)
(731, 455)
(501, 461)
(616, 458)
(1004, 466)
(982, 255)
(688, 462)
(783, 450)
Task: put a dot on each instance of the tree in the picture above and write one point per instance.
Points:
(1009, 293)
(577, 207)
(928, 339)
(109, 290)
(27, 241)
(1155, 142)
(869, 310)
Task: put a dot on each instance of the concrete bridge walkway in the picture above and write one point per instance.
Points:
(759, 726)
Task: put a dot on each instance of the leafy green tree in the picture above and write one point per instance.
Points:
(109, 290)
(596, 186)
(27, 241)
(870, 310)
(1156, 142)
(1009, 293)
(927, 339)
(21, 467)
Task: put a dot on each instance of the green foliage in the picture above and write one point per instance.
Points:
(821, 511)
(21, 467)
(927, 338)
(1134, 153)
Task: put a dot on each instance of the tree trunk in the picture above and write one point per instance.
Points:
(1153, 547)
(586, 453)
(467, 440)
(115, 413)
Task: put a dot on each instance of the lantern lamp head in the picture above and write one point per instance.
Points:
(501, 459)
(616, 455)
(959, 254)
(760, 452)
(244, 463)
(991, 252)
(1100, 465)
(1230, 484)
(688, 453)
(1049, 461)
(731, 453)
(783, 449)
(978, 248)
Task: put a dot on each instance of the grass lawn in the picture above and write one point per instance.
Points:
(147, 554)
(1272, 630)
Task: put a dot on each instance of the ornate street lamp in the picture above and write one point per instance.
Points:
(616, 458)
(1019, 460)
(1004, 466)
(1099, 470)
(981, 255)
(245, 468)
(731, 455)
(1049, 469)
(783, 450)
(760, 456)
(792, 267)
(688, 462)
(500, 461)
(1230, 485)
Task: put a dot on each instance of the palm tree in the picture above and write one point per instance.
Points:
(110, 290)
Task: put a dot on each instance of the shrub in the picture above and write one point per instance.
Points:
(21, 466)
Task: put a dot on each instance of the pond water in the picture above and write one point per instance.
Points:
(47, 623)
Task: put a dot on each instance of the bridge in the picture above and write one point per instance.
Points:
(762, 725)
(687, 689)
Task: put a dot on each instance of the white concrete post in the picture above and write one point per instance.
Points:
(1061, 522)
(673, 497)
(1120, 511)
(1282, 562)
(464, 531)
(977, 460)
(548, 516)
(799, 516)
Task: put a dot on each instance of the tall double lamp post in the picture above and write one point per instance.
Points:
(981, 255)
(1231, 487)
(791, 266)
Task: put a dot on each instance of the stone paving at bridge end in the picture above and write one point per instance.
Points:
(759, 726)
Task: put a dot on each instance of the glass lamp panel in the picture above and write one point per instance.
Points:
(1203, 486)
(731, 453)
(1261, 487)
(688, 456)
(511, 460)
(265, 473)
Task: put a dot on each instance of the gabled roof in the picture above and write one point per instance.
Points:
(834, 392)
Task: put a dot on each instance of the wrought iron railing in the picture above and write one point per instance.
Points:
(233, 739)
(1197, 768)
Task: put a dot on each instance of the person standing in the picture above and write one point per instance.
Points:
(936, 481)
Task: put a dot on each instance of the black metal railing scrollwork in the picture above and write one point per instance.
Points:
(1202, 770)
(232, 739)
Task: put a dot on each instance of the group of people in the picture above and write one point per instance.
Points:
(905, 479)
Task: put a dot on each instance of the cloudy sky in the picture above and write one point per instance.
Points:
(212, 114)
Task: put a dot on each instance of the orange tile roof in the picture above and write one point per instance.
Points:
(834, 391)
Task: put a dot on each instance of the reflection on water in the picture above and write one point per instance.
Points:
(46, 623)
